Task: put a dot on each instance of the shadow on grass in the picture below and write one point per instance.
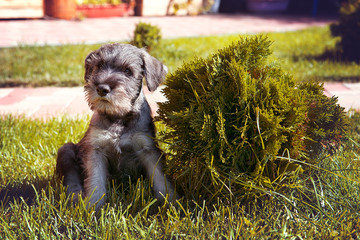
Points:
(331, 55)
(25, 191)
(45, 83)
(11, 84)
(341, 79)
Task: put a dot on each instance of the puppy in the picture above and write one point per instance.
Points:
(120, 137)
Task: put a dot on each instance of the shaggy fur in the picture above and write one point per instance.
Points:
(120, 137)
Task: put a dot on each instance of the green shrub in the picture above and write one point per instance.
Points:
(348, 29)
(236, 120)
(146, 35)
(326, 125)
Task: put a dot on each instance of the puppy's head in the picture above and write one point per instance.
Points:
(114, 75)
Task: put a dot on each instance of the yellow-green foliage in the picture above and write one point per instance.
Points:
(237, 119)
(146, 35)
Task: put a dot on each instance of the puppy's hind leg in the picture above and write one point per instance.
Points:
(68, 168)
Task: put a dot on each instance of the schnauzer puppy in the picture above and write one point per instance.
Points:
(120, 137)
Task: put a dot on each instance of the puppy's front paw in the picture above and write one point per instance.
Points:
(141, 141)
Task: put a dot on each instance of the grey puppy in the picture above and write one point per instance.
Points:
(120, 137)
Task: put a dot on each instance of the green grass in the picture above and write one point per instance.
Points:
(321, 203)
(43, 65)
(299, 52)
(310, 55)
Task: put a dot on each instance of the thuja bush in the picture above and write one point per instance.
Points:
(348, 29)
(146, 35)
(326, 123)
(238, 123)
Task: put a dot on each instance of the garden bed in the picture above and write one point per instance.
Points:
(103, 11)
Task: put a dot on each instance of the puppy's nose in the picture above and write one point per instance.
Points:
(103, 90)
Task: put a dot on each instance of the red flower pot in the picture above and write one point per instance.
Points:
(63, 9)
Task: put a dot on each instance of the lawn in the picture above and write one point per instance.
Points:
(308, 54)
(322, 202)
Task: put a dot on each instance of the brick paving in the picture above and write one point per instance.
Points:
(45, 102)
(348, 94)
(49, 102)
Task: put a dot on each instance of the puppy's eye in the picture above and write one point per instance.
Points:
(128, 71)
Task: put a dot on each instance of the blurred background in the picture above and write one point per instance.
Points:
(72, 9)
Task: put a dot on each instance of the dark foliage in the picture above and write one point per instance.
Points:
(348, 29)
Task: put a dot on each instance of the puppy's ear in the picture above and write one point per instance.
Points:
(88, 65)
(154, 71)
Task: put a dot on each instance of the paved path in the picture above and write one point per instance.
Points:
(48, 102)
(348, 94)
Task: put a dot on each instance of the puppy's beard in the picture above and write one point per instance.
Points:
(114, 103)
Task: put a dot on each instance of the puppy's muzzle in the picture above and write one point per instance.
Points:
(103, 90)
